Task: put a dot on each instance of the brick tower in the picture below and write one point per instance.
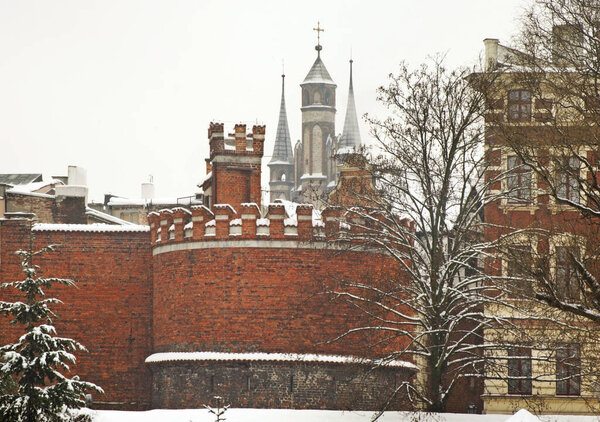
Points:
(234, 166)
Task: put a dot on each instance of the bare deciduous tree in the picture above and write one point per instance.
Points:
(426, 212)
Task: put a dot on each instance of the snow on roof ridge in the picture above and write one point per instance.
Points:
(223, 206)
(97, 227)
(207, 177)
(108, 217)
(24, 192)
(199, 207)
(280, 357)
(250, 204)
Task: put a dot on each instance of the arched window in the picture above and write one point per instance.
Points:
(306, 97)
(327, 96)
(282, 177)
(317, 97)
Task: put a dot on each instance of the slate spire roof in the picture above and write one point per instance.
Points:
(318, 74)
(282, 151)
(350, 133)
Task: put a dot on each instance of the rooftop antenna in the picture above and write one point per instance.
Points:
(319, 30)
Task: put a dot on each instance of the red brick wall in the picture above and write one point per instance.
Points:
(235, 186)
(109, 312)
(260, 300)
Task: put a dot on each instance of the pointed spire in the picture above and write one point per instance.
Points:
(282, 151)
(351, 133)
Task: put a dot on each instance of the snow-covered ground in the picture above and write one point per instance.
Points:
(281, 415)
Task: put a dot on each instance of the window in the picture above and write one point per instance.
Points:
(567, 285)
(568, 363)
(519, 105)
(518, 268)
(327, 97)
(567, 183)
(518, 181)
(519, 371)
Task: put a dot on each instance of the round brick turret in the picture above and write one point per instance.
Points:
(233, 292)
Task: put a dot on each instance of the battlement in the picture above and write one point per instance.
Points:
(247, 223)
(224, 222)
(237, 143)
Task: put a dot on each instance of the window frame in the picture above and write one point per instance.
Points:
(526, 247)
(519, 181)
(522, 111)
(520, 364)
(566, 284)
(568, 369)
(568, 181)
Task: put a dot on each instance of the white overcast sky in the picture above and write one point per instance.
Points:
(127, 88)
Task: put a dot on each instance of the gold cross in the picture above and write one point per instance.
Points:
(319, 30)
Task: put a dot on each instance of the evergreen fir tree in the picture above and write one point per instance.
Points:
(37, 363)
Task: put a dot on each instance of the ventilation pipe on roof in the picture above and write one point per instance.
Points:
(76, 186)
(147, 191)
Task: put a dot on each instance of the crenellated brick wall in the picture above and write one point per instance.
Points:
(230, 281)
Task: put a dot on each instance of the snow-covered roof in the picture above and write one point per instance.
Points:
(272, 357)
(28, 193)
(33, 187)
(117, 201)
(46, 227)
(206, 178)
(107, 217)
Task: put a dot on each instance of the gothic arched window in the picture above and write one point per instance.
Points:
(306, 97)
(327, 96)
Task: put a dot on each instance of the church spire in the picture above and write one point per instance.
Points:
(350, 133)
(282, 151)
